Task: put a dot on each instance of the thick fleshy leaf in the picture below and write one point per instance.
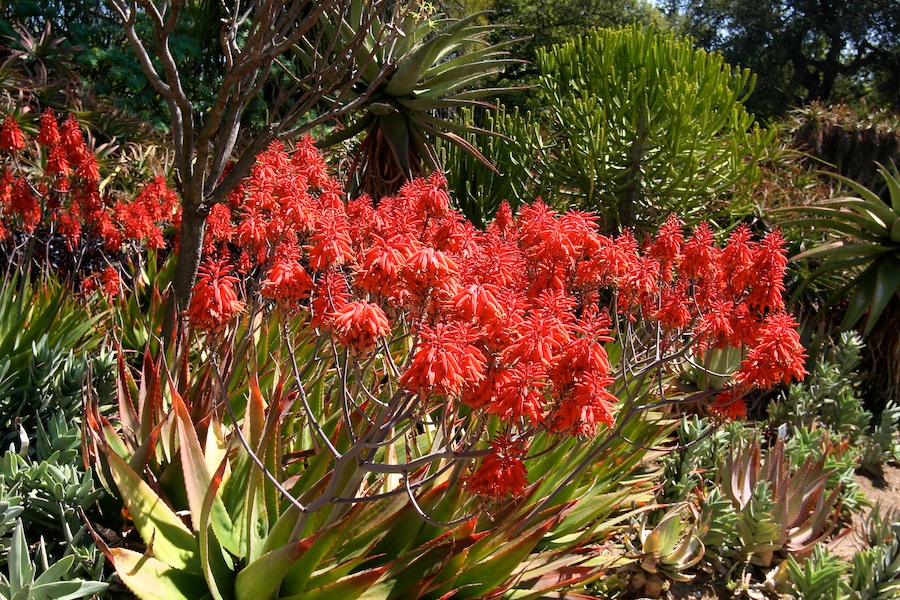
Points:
(152, 579)
(219, 577)
(197, 480)
(348, 588)
(311, 553)
(262, 577)
(861, 300)
(887, 283)
(171, 541)
(496, 568)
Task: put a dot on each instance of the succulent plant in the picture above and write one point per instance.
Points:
(779, 510)
(218, 525)
(24, 583)
(718, 525)
(875, 572)
(820, 576)
(870, 237)
(671, 547)
(436, 63)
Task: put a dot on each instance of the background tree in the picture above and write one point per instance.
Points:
(253, 36)
(94, 44)
(540, 24)
(802, 50)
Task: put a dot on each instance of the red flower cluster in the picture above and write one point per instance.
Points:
(214, 300)
(64, 191)
(508, 321)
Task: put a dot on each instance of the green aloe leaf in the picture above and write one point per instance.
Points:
(152, 579)
(264, 576)
(887, 282)
(842, 249)
(861, 300)
(172, 542)
(197, 480)
(350, 588)
(219, 576)
(494, 569)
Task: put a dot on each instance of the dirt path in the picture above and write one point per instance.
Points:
(884, 490)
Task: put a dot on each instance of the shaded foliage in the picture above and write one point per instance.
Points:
(802, 50)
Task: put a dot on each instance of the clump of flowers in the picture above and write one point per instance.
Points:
(51, 185)
(214, 300)
(508, 326)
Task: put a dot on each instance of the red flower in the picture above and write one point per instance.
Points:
(48, 135)
(520, 394)
(445, 360)
(57, 163)
(330, 244)
(478, 302)
(777, 357)
(381, 264)
(669, 241)
(767, 273)
(586, 406)
(214, 300)
(330, 297)
(501, 473)
(218, 227)
(25, 205)
(737, 259)
(112, 281)
(286, 281)
(428, 268)
(11, 138)
(700, 256)
(729, 406)
(358, 324)
(70, 228)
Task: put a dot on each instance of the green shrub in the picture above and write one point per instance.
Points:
(639, 124)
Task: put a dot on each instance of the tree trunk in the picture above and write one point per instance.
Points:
(187, 260)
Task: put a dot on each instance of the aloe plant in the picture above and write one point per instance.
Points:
(819, 576)
(779, 511)
(246, 538)
(671, 547)
(434, 67)
(869, 237)
(44, 336)
(875, 574)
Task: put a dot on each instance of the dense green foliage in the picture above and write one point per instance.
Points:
(802, 50)
(99, 55)
(639, 125)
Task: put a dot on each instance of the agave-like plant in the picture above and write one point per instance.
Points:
(434, 67)
(671, 547)
(239, 473)
(780, 511)
(870, 241)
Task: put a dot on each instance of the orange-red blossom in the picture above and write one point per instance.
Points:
(512, 321)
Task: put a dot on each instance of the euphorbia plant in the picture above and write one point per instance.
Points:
(423, 361)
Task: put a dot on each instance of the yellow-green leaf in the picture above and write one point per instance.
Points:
(160, 528)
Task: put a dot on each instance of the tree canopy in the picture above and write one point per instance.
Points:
(802, 50)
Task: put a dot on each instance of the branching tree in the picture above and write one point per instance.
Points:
(257, 37)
